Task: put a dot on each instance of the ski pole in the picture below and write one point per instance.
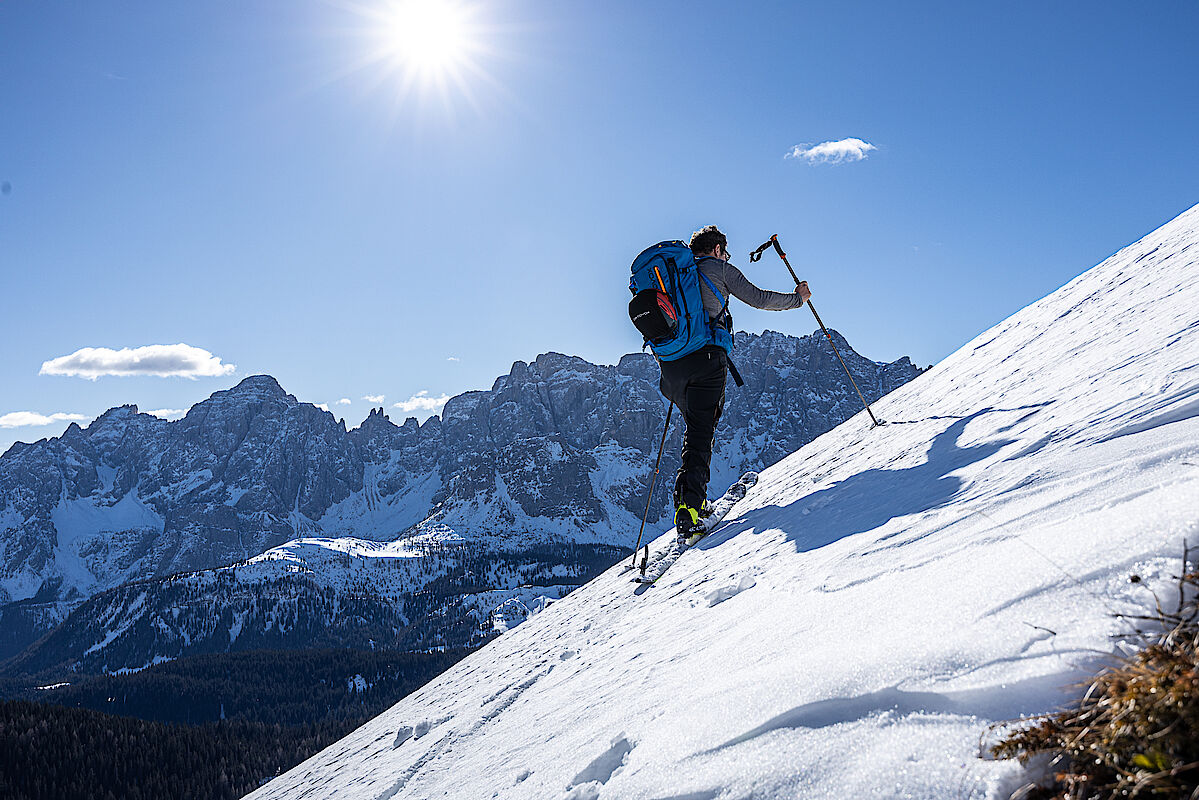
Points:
(653, 482)
(778, 248)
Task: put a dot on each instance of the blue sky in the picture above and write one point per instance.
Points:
(250, 180)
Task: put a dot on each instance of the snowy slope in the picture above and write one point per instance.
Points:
(877, 601)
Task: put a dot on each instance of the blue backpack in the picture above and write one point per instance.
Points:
(667, 308)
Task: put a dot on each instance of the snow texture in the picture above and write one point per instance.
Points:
(875, 603)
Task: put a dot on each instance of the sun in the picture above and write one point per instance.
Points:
(421, 54)
(429, 43)
(427, 36)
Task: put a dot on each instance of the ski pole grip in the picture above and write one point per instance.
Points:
(778, 248)
(774, 240)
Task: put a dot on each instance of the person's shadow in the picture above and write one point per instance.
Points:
(864, 501)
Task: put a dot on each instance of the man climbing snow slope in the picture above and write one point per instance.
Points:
(695, 382)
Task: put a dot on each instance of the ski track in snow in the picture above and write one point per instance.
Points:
(882, 598)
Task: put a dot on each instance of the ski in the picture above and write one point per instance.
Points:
(653, 566)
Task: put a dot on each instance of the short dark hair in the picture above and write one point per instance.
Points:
(705, 241)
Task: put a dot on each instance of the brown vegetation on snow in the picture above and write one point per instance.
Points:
(1135, 733)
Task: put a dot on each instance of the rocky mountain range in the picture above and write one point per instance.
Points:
(538, 479)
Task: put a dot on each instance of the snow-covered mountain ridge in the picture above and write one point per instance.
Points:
(877, 601)
(431, 590)
(556, 453)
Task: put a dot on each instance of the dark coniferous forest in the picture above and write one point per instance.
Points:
(53, 753)
(214, 726)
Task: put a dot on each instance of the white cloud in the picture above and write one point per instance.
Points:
(159, 360)
(453, 358)
(322, 406)
(168, 413)
(31, 419)
(842, 152)
(345, 401)
(422, 402)
(373, 398)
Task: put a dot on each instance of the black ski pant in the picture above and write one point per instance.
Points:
(695, 384)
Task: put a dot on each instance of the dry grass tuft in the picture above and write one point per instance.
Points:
(1135, 733)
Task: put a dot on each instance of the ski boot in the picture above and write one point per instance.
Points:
(687, 521)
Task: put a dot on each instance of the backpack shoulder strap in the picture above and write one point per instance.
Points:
(716, 292)
(712, 286)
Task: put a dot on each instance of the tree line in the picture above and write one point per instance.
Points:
(49, 752)
(213, 726)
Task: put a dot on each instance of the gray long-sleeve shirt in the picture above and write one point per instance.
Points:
(729, 280)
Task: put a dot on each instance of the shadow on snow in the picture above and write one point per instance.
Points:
(871, 498)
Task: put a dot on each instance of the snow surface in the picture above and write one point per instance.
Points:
(881, 598)
(105, 529)
(370, 513)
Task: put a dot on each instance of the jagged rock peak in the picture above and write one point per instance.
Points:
(259, 384)
(543, 368)
(254, 389)
(377, 418)
(837, 337)
(549, 363)
(636, 364)
(115, 423)
(119, 412)
(461, 407)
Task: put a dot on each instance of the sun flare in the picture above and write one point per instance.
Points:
(429, 40)
(427, 35)
(425, 53)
